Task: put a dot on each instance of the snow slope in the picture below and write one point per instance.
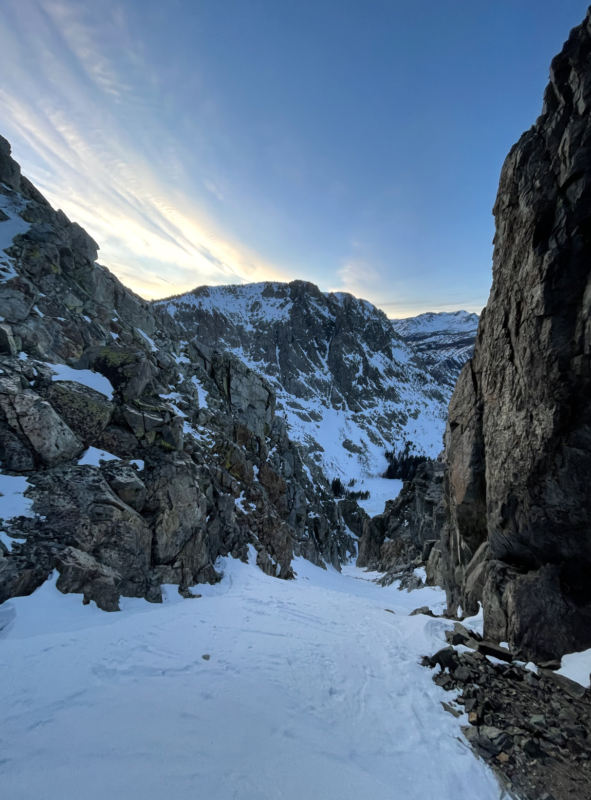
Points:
(312, 692)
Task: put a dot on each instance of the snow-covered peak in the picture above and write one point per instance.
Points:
(437, 322)
(347, 383)
(265, 302)
(444, 341)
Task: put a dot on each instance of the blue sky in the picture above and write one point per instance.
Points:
(353, 143)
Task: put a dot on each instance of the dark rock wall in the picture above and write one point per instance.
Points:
(519, 432)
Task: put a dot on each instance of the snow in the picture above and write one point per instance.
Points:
(238, 303)
(577, 667)
(336, 426)
(174, 396)
(92, 457)
(13, 503)
(202, 395)
(380, 490)
(138, 462)
(432, 322)
(311, 691)
(242, 503)
(415, 408)
(9, 540)
(148, 340)
(475, 623)
(12, 206)
(94, 380)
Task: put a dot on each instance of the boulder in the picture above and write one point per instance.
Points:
(80, 573)
(128, 368)
(178, 511)
(28, 414)
(20, 577)
(16, 452)
(118, 441)
(86, 411)
(17, 298)
(124, 480)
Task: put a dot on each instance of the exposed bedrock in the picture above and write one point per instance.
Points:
(518, 441)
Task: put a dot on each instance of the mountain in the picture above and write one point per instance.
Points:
(348, 385)
(444, 341)
(131, 458)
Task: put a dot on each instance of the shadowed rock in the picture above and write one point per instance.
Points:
(519, 431)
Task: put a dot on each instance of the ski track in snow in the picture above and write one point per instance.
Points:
(312, 692)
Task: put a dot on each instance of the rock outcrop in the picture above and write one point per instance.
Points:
(519, 433)
(185, 459)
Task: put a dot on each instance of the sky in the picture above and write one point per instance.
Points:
(353, 143)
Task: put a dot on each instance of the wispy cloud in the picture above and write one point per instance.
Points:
(360, 278)
(75, 121)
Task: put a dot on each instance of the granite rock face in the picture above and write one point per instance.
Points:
(519, 433)
(185, 458)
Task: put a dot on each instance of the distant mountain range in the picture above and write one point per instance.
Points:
(445, 341)
(350, 382)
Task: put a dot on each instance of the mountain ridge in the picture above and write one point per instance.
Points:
(340, 369)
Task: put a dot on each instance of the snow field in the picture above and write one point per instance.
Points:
(312, 692)
(380, 490)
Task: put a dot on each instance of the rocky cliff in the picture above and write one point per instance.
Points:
(131, 458)
(347, 383)
(519, 430)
